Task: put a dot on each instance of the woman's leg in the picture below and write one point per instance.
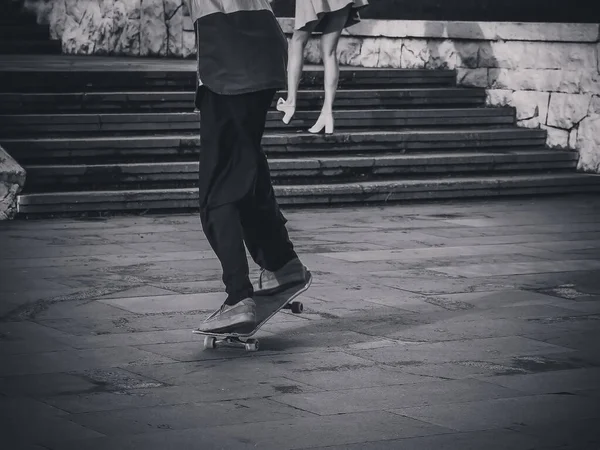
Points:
(329, 42)
(295, 64)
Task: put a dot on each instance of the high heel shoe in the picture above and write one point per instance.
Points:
(324, 121)
(287, 110)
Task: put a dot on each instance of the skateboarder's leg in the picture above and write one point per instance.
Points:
(223, 231)
(227, 175)
(267, 237)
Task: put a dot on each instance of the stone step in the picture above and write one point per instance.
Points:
(368, 192)
(11, 46)
(73, 177)
(111, 102)
(14, 125)
(31, 31)
(182, 77)
(186, 147)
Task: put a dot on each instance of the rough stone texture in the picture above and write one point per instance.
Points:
(12, 180)
(557, 137)
(118, 27)
(567, 110)
(588, 143)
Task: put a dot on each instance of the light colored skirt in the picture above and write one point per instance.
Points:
(310, 11)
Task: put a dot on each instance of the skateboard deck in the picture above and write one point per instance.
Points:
(266, 307)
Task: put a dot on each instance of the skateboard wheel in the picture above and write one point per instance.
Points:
(252, 345)
(210, 342)
(297, 307)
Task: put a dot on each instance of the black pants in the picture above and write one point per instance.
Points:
(237, 201)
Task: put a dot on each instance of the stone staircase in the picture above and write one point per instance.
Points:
(107, 141)
(20, 34)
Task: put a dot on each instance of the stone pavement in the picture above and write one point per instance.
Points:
(450, 326)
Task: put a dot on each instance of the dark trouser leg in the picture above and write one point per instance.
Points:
(225, 160)
(223, 229)
(237, 201)
(263, 223)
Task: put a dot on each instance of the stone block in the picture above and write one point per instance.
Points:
(472, 77)
(590, 82)
(531, 106)
(12, 180)
(312, 52)
(188, 44)
(567, 110)
(573, 138)
(56, 19)
(588, 143)
(568, 81)
(538, 55)
(504, 413)
(499, 97)
(174, 23)
(442, 55)
(467, 54)
(387, 397)
(415, 54)
(153, 29)
(349, 51)
(557, 137)
(370, 52)
(390, 53)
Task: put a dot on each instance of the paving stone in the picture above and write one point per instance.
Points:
(29, 337)
(571, 434)
(300, 433)
(134, 339)
(171, 303)
(391, 397)
(506, 412)
(128, 323)
(63, 361)
(459, 330)
(487, 270)
(186, 416)
(439, 283)
(476, 349)
(233, 387)
(562, 381)
(354, 377)
(576, 340)
(86, 381)
(434, 253)
(138, 291)
(261, 367)
(539, 228)
(82, 310)
(490, 440)
(460, 370)
(502, 299)
(28, 421)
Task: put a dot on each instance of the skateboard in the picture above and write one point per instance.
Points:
(266, 307)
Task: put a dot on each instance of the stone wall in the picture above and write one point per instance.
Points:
(118, 27)
(549, 72)
(12, 180)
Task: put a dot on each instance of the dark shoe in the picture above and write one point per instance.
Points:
(292, 274)
(231, 317)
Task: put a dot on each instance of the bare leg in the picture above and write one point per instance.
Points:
(329, 42)
(295, 64)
